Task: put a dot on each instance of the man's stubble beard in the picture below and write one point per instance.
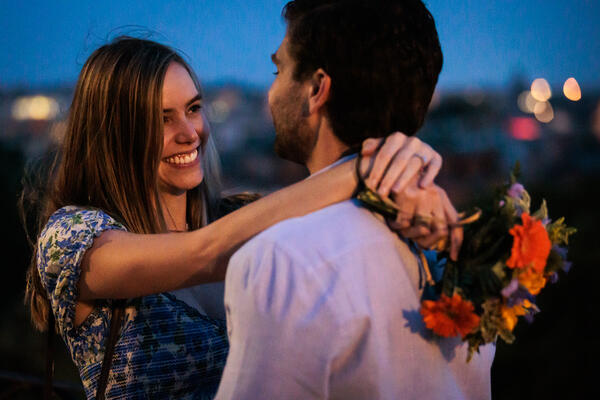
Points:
(293, 139)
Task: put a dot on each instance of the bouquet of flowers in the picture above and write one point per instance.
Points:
(508, 256)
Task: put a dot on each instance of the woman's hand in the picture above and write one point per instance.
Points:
(399, 159)
(428, 217)
(403, 169)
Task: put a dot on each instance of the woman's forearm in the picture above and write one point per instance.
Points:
(125, 265)
(318, 191)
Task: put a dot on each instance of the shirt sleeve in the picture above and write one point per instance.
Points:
(281, 326)
(69, 233)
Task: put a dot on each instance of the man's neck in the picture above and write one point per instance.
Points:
(328, 149)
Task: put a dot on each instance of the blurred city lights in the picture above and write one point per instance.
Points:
(540, 90)
(562, 123)
(474, 96)
(218, 111)
(543, 112)
(524, 128)
(526, 102)
(35, 107)
(572, 90)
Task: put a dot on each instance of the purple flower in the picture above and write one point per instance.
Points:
(515, 294)
(530, 314)
(553, 278)
(510, 289)
(516, 191)
(562, 252)
(501, 203)
(546, 221)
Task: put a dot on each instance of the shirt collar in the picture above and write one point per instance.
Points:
(339, 161)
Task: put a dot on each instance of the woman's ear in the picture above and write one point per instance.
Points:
(320, 86)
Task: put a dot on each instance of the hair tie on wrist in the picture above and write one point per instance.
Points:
(360, 186)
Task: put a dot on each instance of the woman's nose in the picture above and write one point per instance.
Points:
(189, 131)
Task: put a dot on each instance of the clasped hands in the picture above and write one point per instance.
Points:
(402, 169)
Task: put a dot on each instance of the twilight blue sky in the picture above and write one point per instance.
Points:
(485, 42)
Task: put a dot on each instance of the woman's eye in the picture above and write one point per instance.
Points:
(276, 73)
(196, 108)
(166, 120)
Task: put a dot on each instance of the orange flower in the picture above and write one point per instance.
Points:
(531, 245)
(449, 316)
(532, 280)
(512, 314)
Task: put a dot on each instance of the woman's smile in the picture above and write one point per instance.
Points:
(181, 160)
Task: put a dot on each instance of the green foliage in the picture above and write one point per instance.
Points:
(492, 323)
(559, 232)
(515, 174)
(554, 263)
(542, 213)
(480, 273)
(372, 201)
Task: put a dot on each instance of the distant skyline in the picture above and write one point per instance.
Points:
(485, 43)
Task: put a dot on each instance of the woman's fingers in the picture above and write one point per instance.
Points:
(431, 170)
(365, 166)
(456, 231)
(438, 223)
(427, 216)
(399, 160)
(370, 146)
(422, 217)
(384, 156)
(406, 204)
(411, 169)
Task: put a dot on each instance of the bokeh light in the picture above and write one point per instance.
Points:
(218, 111)
(572, 90)
(524, 128)
(526, 102)
(540, 90)
(35, 108)
(562, 123)
(543, 112)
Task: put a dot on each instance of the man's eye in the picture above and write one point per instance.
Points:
(276, 73)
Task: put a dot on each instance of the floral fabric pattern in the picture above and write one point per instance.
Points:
(166, 349)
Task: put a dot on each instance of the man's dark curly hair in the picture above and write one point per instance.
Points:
(383, 57)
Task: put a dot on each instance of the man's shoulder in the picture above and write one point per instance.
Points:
(324, 236)
(339, 224)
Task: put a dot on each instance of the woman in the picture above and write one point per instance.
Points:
(135, 174)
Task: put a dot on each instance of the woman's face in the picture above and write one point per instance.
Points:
(185, 133)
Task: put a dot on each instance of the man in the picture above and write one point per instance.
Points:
(326, 305)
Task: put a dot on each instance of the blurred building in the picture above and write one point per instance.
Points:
(479, 133)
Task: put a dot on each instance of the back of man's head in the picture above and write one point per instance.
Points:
(383, 57)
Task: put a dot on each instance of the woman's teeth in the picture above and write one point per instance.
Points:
(181, 159)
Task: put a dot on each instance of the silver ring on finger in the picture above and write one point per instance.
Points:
(422, 157)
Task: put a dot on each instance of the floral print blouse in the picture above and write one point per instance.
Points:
(166, 349)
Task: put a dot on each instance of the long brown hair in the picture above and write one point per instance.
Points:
(111, 150)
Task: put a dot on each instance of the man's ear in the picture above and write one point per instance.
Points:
(320, 86)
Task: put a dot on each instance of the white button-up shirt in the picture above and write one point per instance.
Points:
(327, 306)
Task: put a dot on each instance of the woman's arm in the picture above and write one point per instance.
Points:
(126, 265)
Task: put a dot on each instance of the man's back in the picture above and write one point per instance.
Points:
(327, 306)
